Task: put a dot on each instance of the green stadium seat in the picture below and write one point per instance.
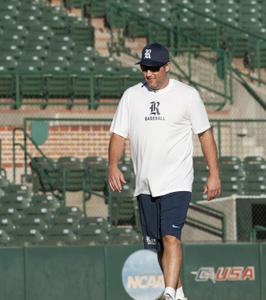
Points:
(82, 35)
(39, 211)
(7, 83)
(98, 222)
(58, 85)
(29, 66)
(255, 175)
(123, 235)
(7, 225)
(60, 234)
(122, 206)
(81, 83)
(32, 85)
(94, 8)
(32, 222)
(69, 4)
(8, 63)
(27, 235)
(9, 49)
(66, 222)
(70, 211)
(16, 201)
(17, 189)
(97, 170)
(73, 173)
(93, 235)
(231, 165)
(3, 180)
(6, 13)
(4, 237)
(43, 200)
(10, 213)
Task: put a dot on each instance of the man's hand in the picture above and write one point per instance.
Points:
(212, 187)
(115, 178)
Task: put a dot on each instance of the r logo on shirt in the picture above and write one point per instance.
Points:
(154, 108)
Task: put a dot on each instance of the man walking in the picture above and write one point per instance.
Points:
(158, 116)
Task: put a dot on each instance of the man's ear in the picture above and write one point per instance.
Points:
(167, 67)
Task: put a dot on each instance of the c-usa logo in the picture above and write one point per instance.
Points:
(147, 53)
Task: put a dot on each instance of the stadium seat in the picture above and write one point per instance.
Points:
(69, 211)
(123, 235)
(28, 222)
(96, 167)
(32, 85)
(10, 213)
(41, 212)
(16, 201)
(93, 230)
(60, 234)
(255, 175)
(7, 225)
(7, 83)
(3, 180)
(74, 177)
(94, 8)
(48, 201)
(27, 235)
(45, 174)
(122, 206)
(4, 237)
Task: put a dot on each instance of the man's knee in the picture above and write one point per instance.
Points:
(170, 241)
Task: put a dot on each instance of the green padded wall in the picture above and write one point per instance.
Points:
(65, 273)
(210, 272)
(115, 258)
(263, 270)
(12, 273)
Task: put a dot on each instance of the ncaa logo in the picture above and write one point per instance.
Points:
(147, 53)
(142, 277)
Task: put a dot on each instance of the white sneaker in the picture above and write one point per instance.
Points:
(185, 298)
(167, 297)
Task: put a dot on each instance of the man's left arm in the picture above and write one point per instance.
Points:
(209, 149)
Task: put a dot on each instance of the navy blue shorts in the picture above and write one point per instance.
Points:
(163, 215)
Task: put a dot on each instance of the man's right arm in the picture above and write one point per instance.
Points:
(115, 176)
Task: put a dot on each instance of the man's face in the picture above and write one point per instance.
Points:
(156, 77)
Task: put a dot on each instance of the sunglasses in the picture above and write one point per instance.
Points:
(152, 69)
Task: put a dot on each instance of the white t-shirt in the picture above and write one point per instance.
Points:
(159, 126)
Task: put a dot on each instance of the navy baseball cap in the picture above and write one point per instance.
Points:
(154, 55)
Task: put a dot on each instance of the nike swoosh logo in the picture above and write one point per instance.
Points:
(175, 226)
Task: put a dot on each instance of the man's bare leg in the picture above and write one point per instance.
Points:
(170, 260)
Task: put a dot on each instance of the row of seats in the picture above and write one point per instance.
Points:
(40, 218)
(87, 175)
(93, 168)
(191, 27)
(247, 177)
(238, 177)
(47, 54)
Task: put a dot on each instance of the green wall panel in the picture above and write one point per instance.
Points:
(222, 271)
(263, 270)
(65, 273)
(12, 274)
(115, 259)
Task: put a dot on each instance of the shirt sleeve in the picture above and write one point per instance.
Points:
(120, 123)
(198, 113)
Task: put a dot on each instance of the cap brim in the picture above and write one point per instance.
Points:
(150, 63)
